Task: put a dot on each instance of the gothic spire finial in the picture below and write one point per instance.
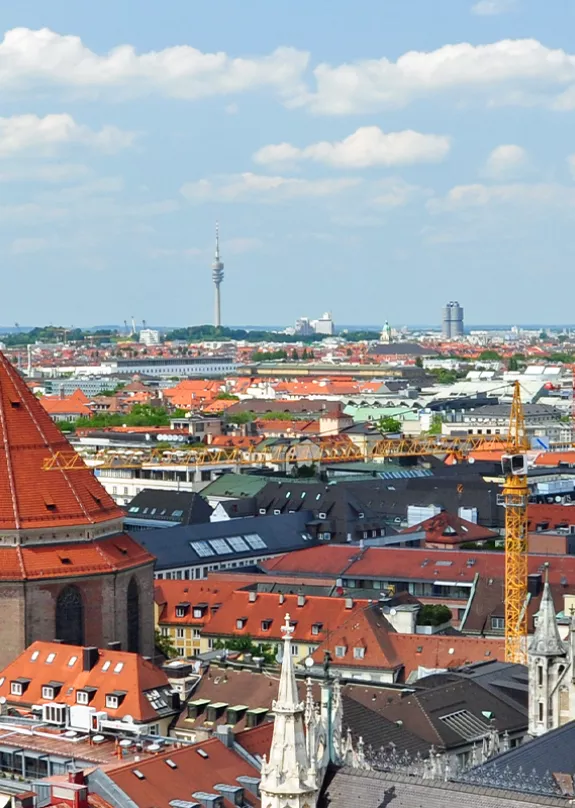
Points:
(546, 639)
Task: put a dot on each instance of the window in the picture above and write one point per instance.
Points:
(16, 688)
(295, 650)
(266, 625)
(358, 653)
(198, 613)
(82, 697)
(240, 622)
(322, 516)
(196, 634)
(72, 661)
(180, 633)
(540, 709)
(106, 665)
(47, 692)
(35, 656)
(498, 623)
(340, 650)
(540, 675)
(133, 616)
(206, 476)
(70, 616)
(118, 667)
(50, 658)
(111, 701)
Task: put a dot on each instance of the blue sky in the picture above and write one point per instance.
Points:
(374, 159)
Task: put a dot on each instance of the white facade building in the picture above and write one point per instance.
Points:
(149, 336)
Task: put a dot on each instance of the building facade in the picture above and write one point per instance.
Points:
(67, 569)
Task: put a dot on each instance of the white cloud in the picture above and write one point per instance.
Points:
(42, 57)
(395, 192)
(257, 187)
(521, 71)
(490, 8)
(25, 246)
(469, 197)
(29, 132)
(506, 161)
(367, 146)
(45, 172)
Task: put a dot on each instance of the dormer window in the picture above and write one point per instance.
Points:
(19, 686)
(47, 692)
(358, 652)
(114, 699)
(182, 609)
(322, 516)
(85, 695)
(340, 651)
(241, 622)
(266, 625)
(199, 610)
(316, 628)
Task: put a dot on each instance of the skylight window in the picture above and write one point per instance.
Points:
(220, 546)
(35, 656)
(106, 665)
(255, 541)
(202, 548)
(238, 544)
(50, 658)
(72, 661)
(118, 667)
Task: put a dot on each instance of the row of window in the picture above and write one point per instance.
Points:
(49, 692)
(195, 573)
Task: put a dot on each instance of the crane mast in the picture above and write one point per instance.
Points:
(514, 498)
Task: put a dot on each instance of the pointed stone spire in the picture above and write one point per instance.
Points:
(288, 777)
(546, 640)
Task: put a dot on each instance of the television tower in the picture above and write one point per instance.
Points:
(217, 277)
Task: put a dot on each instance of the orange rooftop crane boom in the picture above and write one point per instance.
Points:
(514, 498)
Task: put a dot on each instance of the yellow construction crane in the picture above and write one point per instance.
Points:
(514, 498)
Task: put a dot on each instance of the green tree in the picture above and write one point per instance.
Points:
(164, 645)
(240, 418)
(512, 364)
(436, 424)
(246, 645)
(418, 362)
(433, 615)
(489, 355)
(223, 396)
(389, 424)
(294, 355)
(544, 336)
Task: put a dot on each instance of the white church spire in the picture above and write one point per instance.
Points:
(288, 777)
(546, 640)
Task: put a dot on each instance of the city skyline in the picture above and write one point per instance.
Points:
(404, 153)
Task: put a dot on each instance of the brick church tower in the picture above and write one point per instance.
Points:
(67, 569)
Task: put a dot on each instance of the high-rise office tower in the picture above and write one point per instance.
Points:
(452, 320)
(217, 277)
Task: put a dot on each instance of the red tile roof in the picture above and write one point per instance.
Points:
(383, 648)
(113, 671)
(450, 529)
(76, 404)
(553, 515)
(421, 564)
(553, 459)
(168, 594)
(29, 496)
(193, 772)
(325, 612)
(96, 557)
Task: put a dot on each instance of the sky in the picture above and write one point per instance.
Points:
(375, 159)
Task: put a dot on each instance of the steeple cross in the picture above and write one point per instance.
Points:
(287, 628)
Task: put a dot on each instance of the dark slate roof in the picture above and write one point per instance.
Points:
(173, 546)
(378, 732)
(427, 713)
(347, 787)
(538, 758)
(238, 508)
(183, 507)
(506, 680)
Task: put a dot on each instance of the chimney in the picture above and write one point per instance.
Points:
(251, 784)
(301, 600)
(349, 603)
(282, 598)
(234, 794)
(90, 656)
(225, 734)
(116, 645)
(253, 596)
(76, 776)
